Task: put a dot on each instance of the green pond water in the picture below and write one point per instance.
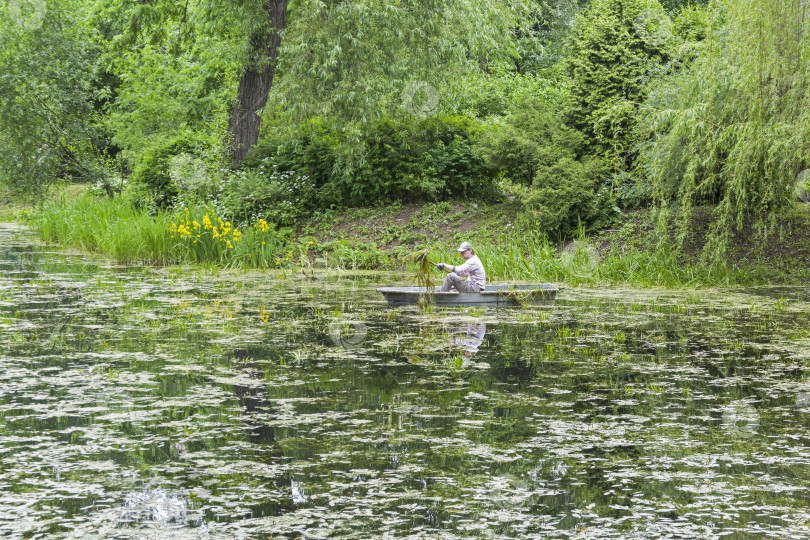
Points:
(186, 403)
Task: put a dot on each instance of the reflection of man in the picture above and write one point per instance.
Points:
(472, 269)
(470, 337)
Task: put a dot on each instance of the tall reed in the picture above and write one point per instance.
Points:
(198, 235)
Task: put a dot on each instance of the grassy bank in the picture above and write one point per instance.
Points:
(379, 238)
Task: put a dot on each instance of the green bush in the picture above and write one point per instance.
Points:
(407, 159)
(264, 193)
(531, 137)
(152, 183)
(570, 194)
(568, 186)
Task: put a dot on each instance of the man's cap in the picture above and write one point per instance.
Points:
(464, 246)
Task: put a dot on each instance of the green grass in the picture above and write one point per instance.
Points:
(530, 256)
(115, 228)
(108, 226)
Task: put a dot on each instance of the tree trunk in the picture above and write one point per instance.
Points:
(256, 81)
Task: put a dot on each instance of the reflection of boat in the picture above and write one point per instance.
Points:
(494, 295)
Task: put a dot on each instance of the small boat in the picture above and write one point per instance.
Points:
(493, 295)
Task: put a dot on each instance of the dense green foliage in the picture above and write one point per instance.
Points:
(47, 93)
(614, 46)
(575, 109)
(733, 128)
(406, 159)
(533, 148)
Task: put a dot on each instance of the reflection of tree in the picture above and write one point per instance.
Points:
(255, 401)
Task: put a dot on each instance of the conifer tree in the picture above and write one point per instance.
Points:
(612, 48)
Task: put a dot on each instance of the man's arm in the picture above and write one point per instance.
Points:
(463, 269)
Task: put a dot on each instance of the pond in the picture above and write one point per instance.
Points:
(195, 403)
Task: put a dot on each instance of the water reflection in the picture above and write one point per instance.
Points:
(176, 403)
(469, 337)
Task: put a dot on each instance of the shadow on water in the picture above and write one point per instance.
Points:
(157, 402)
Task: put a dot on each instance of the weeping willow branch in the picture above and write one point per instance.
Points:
(732, 129)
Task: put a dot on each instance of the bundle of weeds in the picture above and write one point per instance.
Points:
(422, 275)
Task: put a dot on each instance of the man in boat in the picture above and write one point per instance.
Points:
(471, 269)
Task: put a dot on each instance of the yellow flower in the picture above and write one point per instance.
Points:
(263, 243)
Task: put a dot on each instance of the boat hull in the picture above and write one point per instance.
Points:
(493, 295)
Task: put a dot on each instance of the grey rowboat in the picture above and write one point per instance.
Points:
(493, 295)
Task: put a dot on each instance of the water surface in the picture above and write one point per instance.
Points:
(185, 402)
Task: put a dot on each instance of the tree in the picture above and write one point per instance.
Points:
(47, 115)
(256, 80)
(346, 59)
(613, 46)
(732, 129)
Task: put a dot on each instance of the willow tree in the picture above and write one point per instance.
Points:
(733, 130)
(352, 60)
(46, 96)
(348, 59)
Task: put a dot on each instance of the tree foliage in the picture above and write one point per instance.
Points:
(353, 59)
(47, 97)
(614, 45)
(734, 129)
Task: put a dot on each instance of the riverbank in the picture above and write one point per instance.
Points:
(378, 238)
(782, 257)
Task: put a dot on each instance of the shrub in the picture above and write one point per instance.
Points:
(152, 181)
(569, 194)
(568, 186)
(264, 193)
(532, 136)
(395, 160)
